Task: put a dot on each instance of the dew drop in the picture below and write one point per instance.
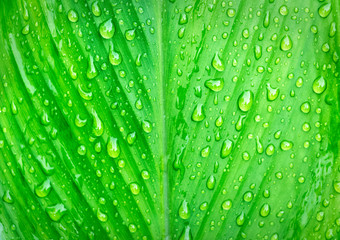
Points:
(217, 63)
(325, 10)
(245, 100)
(286, 43)
(56, 212)
(198, 113)
(43, 189)
(91, 68)
(215, 85)
(226, 205)
(112, 147)
(211, 181)
(184, 211)
(227, 147)
(319, 85)
(107, 29)
(72, 16)
(265, 210)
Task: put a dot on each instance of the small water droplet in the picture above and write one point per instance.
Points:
(272, 93)
(147, 127)
(265, 210)
(240, 219)
(226, 205)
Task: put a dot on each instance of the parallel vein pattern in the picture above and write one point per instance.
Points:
(171, 119)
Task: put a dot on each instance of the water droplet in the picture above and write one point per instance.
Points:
(283, 10)
(113, 148)
(257, 52)
(286, 43)
(204, 206)
(97, 126)
(14, 108)
(240, 219)
(56, 212)
(184, 211)
(91, 68)
(43, 189)
(272, 93)
(198, 113)
(7, 197)
(147, 127)
(266, 19)
(186, 234)
(332, 29)
(131, 138)
(259, 146)
(286, 145)
(227, 147)
(107, 29)
(270, 150)
(101, 216)
(265, 210)
(130, 34)
(336, 185)
(135, 189)
(217, 63)
(248, 196)
(211, 181)
(96, 9)
(325, 10)
(226, 205)
(305, 107)
(115, 58)
(181, 32)
(319, 85)
(45, 166)
(132, 228)
(205, 151)
(215, 85)
(26, 29)
(85, 95)
(72, 16)
(80, 122)
(183, 19)
(245, 100)
(139, 104)
(219, 121)
(72, 72)
(81, 150)
(239, 123)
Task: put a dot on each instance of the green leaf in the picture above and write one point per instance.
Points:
(169, 119)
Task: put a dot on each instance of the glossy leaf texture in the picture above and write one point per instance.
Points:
(169, 119)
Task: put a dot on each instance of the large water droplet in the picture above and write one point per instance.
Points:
(115, 58)
(91, 68)
(217, 63)
(286, 43)
(226, 205)
(184, 211)
(56, 212)
(107, 29)
(7, 197)
(272, 93)
(215, 85)
(240, 219)
(113, 148)
(198, 113)
(325, 10)
(286, 145)
(265, 210)
(43, 189)
(211, 181)
(226, 149)
(97, 127)
(72, 16)
(101, 216)
(245, 100)
(319, 85)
